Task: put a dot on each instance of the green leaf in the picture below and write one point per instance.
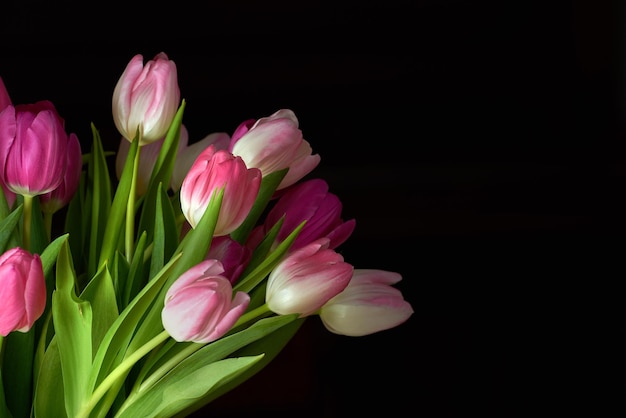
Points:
(7, 227)
(165, 233)
(49, 390)
(72, 319)
(134, 280)
(161, 173)
(105, 224)
(173, 395)
(156, 388)
(269, 184)
(117, 215)
(100, 294)
(17, 367)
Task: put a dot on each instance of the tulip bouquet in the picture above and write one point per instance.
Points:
(173, 280)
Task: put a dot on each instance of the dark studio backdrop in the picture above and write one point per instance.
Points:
(479, 146)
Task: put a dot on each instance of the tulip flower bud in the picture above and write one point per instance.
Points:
(146, 98)
(199, 306)
(189, 153)
(33, 148)
(367, 305)
(212, 171)
(274, 143)
(61, 196)
(306, 279)
(22, 290)
(233, 256)
(5, 99)
(309, 201)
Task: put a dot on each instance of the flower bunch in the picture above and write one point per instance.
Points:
(177, 278)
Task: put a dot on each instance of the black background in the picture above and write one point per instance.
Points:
(479, 146)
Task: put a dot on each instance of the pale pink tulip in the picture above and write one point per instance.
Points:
(200, 307)
(212, 171)
(274, 143)
(367, 305)
(306, 279)
(146, 98)
(22, 290)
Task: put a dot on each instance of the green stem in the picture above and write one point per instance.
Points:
(120, 372)
(47, 222)
(130, 209)
(28, 215)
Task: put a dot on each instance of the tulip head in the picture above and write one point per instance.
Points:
(33, 148)
(367, 305)
(5, 99)
(212, 171)
(146, 98)
(22, 290)
(61, 196)
(306, 279)
(233, 256)
(188, 153)
(310, 201)
(199, 305)
(274, 143)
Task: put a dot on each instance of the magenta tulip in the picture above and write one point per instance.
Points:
(33, 148)
(212, 171)
(52, 201)
(306, 279)
(274, 143)
(200, 307)
(22, 290)
(146, 98)
(367, 305)
(5, 99)
(308, 201)
(233, 256)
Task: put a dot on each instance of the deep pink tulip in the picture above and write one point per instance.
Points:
(146, 98)
(306, 279)
(367, 305)
(233, 256)
(310, 201)
(33, 148)
(212, 171)
(61, 196)
(5, 99)
(22, 290)
(200, 307)
(274, 143)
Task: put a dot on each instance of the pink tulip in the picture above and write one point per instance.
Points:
(188, 154)
(367, 305)
(212, 171)
(61, 196)
(146, 98)
(148, 156)
(5, 99)
(22, 290)
(33, 148)
(233, 256)
(274, 143)
(310, 201)
(306, 279)
(199, 306)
